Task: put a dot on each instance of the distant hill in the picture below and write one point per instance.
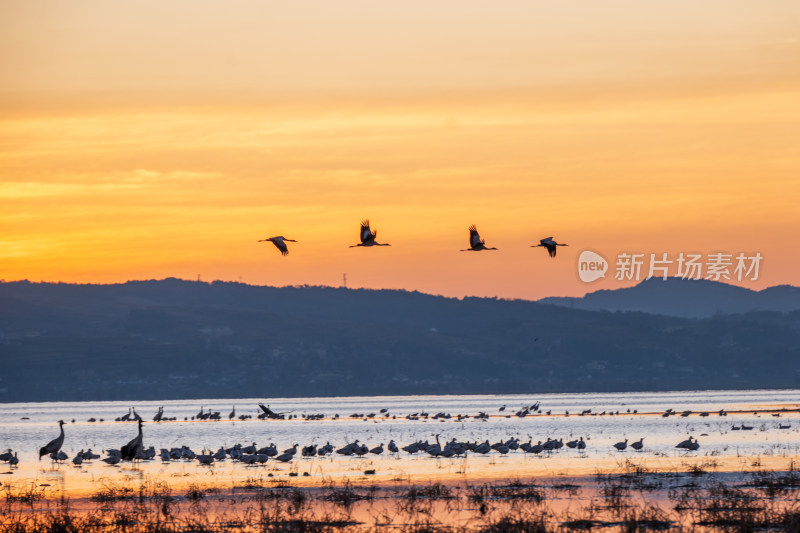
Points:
(685, 298)
(181, 339)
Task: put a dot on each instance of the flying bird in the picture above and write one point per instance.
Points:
(475, 242)
(550, 244)
(280, 243)
(368, 236)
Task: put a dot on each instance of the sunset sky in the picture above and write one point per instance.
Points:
(150, 139)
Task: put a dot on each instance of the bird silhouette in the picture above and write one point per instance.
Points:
(368, 236)
(377, 450)
(111, 459)
(475, 242)
(621, 445)
(280, 243)
(130, 451)
(54, 445)
(550, 244)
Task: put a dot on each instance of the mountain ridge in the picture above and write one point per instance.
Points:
(162, 339)
(685, 298)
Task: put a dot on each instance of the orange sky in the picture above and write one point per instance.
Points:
(143, 140)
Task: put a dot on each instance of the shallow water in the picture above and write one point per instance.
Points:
(24, 427)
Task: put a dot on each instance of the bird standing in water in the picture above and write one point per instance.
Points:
(54, 445)
(130, 451)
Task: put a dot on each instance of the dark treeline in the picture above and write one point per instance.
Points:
(179, 339)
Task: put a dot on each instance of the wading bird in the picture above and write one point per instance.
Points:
(550, 244)
(476, 244)
(54, 445)
(130, 451)
(280, 243)
(368, 236)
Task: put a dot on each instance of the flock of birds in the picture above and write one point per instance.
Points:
(367, 236)
(251, 454)
(134, 450)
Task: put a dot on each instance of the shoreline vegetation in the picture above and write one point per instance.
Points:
(700, 496)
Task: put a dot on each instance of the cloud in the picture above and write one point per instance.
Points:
(93, 185)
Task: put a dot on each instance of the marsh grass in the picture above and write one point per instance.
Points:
(762, 501)
(516, 523)
(346, 495)
(775, 484)
(434, 491)
(30, 494)
(196, 492)
(514, 490)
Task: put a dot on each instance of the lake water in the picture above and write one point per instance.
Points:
(24, 427)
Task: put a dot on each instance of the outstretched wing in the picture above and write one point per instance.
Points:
(474, 238)
(366, 233)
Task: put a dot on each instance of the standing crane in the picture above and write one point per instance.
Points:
(130, 451)
(368, 236)
(280, 243)
(54, 445)
(476, 244)
(550, 244)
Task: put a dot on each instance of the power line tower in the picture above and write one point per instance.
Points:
(344, 280)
